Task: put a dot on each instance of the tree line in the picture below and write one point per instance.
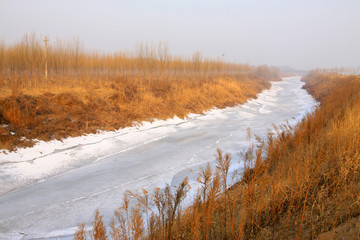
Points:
(69, 62)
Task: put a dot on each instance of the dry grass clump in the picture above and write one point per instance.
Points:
(61, 112)
(86, 91)
(302, 183)
(308, 181)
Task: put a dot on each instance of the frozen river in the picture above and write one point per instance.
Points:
(46, 190)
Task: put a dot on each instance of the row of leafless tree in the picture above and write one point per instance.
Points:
(23, 63)
(340, 70)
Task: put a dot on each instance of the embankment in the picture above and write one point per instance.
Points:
(306, 186)
(59, 112)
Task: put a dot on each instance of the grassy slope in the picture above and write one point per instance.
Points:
(55, 113)
(306, 186)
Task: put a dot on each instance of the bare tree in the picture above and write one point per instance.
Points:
(150, 60)
(24, 55)
(77, 55)
(140, 55)
(2, 60)
(196, 61)
(163, 56)
(36, 59)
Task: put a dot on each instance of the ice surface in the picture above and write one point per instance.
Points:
(49, 188)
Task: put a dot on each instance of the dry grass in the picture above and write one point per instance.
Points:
(87, 91)
(56, 113)
(306, 186)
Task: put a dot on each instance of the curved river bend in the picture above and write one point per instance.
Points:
(45, 191)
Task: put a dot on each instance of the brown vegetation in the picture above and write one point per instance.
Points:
(86, 91)
(302, 183)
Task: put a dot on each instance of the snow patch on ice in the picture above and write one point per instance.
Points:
(189, 144)
(28, 165)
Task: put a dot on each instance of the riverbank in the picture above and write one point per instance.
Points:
(85, 91)
(62, 112)
(95, 170)
(306, 186)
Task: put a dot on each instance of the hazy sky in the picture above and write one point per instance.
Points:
(304, 34)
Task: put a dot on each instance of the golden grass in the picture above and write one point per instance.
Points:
(306, 186)
(87, 91)
(55, 113)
